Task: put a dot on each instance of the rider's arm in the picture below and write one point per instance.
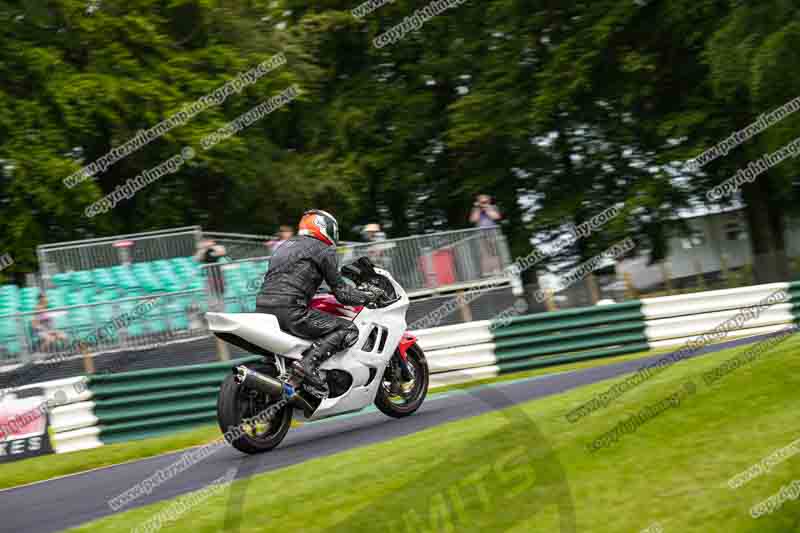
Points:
(344, 293)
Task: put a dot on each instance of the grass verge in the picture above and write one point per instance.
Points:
(500, 471)
(50, 466)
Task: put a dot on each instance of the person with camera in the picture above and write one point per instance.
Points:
(485, 216)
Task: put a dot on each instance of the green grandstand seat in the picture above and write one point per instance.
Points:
(233, 306)
(81, 320)
(57, 297)
(103, 313)
(135, 328)
(82, 278)
(79, 297)
(62, 279)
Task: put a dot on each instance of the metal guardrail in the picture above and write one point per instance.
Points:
(242, 245)
(107, 252)
(425, 263)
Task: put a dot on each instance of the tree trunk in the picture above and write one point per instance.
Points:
(766, 224)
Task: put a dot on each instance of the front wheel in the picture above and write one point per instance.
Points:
(236, 405)
(396, 398)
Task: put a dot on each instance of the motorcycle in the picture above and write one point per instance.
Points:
(385, 367)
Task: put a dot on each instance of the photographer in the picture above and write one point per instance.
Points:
(485, 216)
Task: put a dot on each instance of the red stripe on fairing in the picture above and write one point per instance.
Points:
(327, 303)
(407, 341)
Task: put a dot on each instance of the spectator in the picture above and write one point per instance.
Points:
(373, 233)
(210, 253)
(43, 327)
(285, 233)
(377, 253)
(485, 216)
(484, 212)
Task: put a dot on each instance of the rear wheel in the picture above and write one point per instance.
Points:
(396, 398)
(236, 404)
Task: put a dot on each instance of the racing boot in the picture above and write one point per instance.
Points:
(308, 368)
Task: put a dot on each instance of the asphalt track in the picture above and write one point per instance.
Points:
(66, 502)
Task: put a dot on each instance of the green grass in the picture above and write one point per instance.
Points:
(500, 471)
(50, 466)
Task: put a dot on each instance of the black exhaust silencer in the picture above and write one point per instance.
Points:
(255, 380)
(271, 387)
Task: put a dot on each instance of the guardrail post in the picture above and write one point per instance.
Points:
(549, 301)
(222, 351)
(667, 275)
(701, 280)
(594, 292)
(466, 312)
(630, 289)
(88, 360)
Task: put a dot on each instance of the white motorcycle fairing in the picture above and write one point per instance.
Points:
(386, 325)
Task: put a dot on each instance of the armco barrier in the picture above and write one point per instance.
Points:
(145, 403)
(673, 320)
(71, 410)
(531, 341)
(139, 404)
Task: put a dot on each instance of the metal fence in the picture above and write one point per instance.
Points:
(232, 286)
(426, 264)
(242, 245)
(107, 252)
(127, 323)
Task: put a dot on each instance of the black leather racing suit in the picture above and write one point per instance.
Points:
(296, 270)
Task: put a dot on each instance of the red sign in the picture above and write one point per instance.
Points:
(23, 428)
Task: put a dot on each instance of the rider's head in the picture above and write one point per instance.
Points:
(320, 225)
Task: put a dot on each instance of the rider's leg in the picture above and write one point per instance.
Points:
(332, 334)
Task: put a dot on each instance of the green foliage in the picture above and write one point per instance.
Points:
(559, 111)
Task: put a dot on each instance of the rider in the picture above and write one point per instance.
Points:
(296, 270)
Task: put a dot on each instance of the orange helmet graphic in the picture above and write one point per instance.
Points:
(320, 225)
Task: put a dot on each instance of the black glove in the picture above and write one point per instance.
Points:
(376, 294)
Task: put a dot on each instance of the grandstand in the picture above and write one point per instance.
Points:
(116, 280)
